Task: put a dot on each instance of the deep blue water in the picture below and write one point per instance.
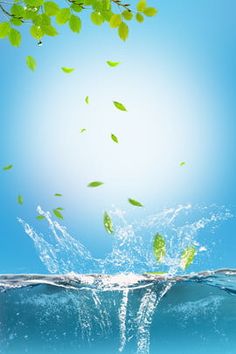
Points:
(68, 314)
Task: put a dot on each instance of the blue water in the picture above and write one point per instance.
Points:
(67, 314)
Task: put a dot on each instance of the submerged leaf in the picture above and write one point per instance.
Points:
(95, 184)
(7, 168)
(67, 70)
(112, 63)
(114, 138)
(187, 257)
(107, 221)
(119, 106)
(58, 214)
(135, 202)
(20, 200)
(31, 62)
(159, 247)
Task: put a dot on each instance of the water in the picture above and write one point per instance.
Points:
(114, 304)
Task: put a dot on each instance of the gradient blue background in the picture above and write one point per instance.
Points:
(177, 79)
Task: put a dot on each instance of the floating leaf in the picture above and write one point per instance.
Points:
(20, 200)
(31, 62)
(58, 214)
(87, 99)
(7, 168)
(187, 257)
(95, 184)
(183, 163)
(123, 31)
(135, 202)
(119, 106)
(114, 138)
(67, 70)
(82, 130)
(107, 221)
(40, 217)
(57, 195)
(159, 247)
(113, 63)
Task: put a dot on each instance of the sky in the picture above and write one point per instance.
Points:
(177, 81)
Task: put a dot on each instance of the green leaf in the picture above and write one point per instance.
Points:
(51, 8)
(82, 130)
(107, 222)
(119, 106)
(7, 168)
(16, 21)
(135, 202)
(112, 63)
(95, 184)
(4, 29)
(141, 5)
(63, 16)
(87, 99)
(40, 217)
(36, 32)
(31, 63)
(139, 17)
(96, 18)
(115, 20)
(159, 247)
(14, 37)
(59, 208)
(123, 31)
(58, 214)
(67, 70)
(75, 23)
(187, 257)
(18, 11)
(34, 3)
(150, 11)
(127, 15)
(50, 31)
(57, 195)
(20, 200)
(182, 163)
(114, 138)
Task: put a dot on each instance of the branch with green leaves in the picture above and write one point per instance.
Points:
(45, 17)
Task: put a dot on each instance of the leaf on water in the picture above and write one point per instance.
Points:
(58, 214)
(187, 257)
(135, 202)
(82, 130)
(159, 247)
(113, 63)
(87, 99)
(20, 200)
(119, 106)
(67, 70)
(7, 168)
(114, 138)
(31, 62)
(40, 217)
(95, 184)
(107, 222)
(57, 195)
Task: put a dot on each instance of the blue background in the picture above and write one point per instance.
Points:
(177, 80)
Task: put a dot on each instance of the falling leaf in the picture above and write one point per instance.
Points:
(135, 202)
(113, 63)
(159, 247)
(7, 168)
(119, 106)
(20, 200)
(82, 130)
(87, 99)
(40, 217)
(183, 163)
(67, 70)
(60, 208)
(95, 184)
(114, 138)
(31, 62)
(108, 223)
(57, 195)
(58, 214)
(187, 257)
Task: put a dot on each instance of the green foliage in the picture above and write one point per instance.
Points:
(83, 130)
(7, 168)
(20, 200)
(107, 222)
(135, 202)
(183, 163)
(119, 106)
(57, 195)
(95, 184)
(187, 257)
(159, 247)
(114, 138)
(31, 63)
(67, 70)
(43, 17)
(87, 99)
(57, 213)
(112, 63)
(40, 217)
